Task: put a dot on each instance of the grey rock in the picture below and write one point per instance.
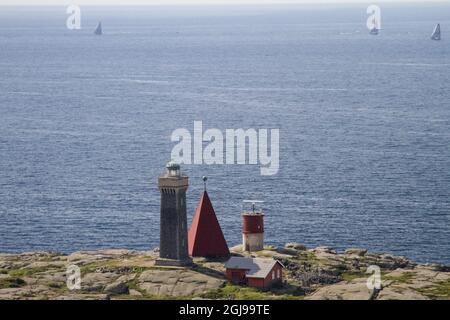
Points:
(135, 293)
(288, 251)
(92, 282)
(118, 287)
(296, 246)
(182, 282)
(324, 249)
(354, 290)
(77, 296)
(357, 251)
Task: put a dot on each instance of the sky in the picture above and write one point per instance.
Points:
(191, 2)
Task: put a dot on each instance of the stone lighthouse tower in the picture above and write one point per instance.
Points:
(252, 227)
(173, 248)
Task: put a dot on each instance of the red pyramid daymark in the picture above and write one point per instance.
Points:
(205, 238)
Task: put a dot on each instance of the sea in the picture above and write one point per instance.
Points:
(364, 123)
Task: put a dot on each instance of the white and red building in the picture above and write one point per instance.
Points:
(254, 272)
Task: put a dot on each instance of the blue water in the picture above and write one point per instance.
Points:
(85, 123)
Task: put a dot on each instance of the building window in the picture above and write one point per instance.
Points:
(278, 274)
(273, 275)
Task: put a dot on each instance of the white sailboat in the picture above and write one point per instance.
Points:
(436, 35)
(374, 31)
(98, 31)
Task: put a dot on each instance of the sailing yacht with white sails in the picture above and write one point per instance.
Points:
(98, 31)
(374, 30)
(436, 35)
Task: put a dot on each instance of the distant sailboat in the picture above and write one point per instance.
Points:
(98, 31)
(436, 33)
(374, 31)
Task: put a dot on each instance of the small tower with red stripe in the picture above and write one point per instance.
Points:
(252, 226)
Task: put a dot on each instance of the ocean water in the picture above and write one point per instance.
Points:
(85, 123)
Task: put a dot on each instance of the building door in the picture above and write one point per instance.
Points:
(236, 277)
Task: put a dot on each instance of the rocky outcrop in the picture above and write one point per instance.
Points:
(318, 273)
(117, 287)
(295, 246)
(418, 283)
(353, 290)
(177, 282)
(357, 251)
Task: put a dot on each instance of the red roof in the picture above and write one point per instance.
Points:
(205, 238)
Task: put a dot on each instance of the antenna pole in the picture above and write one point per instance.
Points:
(204, 178)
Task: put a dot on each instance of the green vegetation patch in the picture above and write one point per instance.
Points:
(440, 290)
(306, 256)
(265, 253)
(150, 297)
(56, 285)
(405, 277)
(25, 272)
(133, 285)
(91, 267)
(234, 292)
(349, 276)
(11, 283)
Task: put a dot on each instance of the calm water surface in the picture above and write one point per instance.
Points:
(85, 124)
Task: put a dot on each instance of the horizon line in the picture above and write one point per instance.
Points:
(160, 3)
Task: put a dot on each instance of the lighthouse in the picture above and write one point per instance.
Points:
(173, 248)
(252, 227)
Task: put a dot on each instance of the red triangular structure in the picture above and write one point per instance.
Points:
(205, 238)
